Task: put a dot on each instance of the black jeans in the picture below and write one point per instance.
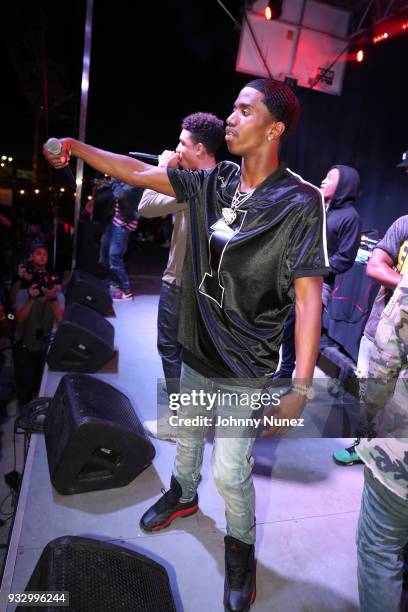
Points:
(167, 329)
(28, 368)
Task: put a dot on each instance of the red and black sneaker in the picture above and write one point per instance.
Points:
(168, 508)
(240, 583)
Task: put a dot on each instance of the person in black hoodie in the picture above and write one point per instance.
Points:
(340, 189)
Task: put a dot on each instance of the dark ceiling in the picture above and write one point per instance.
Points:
(140, 50)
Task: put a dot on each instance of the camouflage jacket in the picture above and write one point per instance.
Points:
(386, 396)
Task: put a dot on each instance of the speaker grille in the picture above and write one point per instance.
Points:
(102, 577)
(101, 401)
(86, 289)
(83, 342)
(87, 319)
(62, 426)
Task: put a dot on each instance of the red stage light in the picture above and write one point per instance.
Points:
(268, 13)
(360, 55)
(389, 28)
(380, 37)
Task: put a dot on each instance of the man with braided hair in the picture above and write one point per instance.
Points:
(257, 242)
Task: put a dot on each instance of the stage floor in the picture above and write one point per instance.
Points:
(307, 507)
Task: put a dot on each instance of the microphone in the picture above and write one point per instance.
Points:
(54, 146)
(149, 156)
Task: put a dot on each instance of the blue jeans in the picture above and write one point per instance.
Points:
(382, 535)
(232, 459)
(114, 245)
(167, 329)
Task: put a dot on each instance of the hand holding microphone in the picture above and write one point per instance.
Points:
(169, 159)
(58, 153)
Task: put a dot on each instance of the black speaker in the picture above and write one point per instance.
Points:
(100, 577)
(93, 436)
(86, 289)
(83, 342)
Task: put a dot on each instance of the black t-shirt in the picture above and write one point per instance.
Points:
(395, 244)
(237, 285)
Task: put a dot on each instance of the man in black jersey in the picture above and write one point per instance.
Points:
(257, 241)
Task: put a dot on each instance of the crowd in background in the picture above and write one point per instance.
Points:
(27, 230)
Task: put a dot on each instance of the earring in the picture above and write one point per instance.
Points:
(269, 137)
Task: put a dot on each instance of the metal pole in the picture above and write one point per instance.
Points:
(295, 46)
(258, 48)
(82, 121)
(55, 213)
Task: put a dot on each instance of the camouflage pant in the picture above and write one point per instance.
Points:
(381, 537)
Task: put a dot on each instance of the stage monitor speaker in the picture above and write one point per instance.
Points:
(86, 289)
(93, 436)
(100, 577)
(83, 341)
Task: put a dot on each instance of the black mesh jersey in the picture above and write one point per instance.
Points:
(237, 285)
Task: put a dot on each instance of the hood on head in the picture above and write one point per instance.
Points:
(348, 186)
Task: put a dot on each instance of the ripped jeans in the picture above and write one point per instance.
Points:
(232, 459)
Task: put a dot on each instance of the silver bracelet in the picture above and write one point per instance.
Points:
(307, 391)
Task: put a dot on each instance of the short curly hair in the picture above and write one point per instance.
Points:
(205, 128)
(280, 100)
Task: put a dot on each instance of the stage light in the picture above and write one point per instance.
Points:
(380, 37)
(2, 164)
(36, 191)
(360, 55)
(273, 9)
(22, 191)
(10, 159)
(62, 190)
(389, 28)
(3, 157)
(89, 197)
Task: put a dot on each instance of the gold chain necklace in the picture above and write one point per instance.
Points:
(230, 214)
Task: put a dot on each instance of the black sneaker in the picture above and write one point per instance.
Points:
(168, 508)
(240, 583)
